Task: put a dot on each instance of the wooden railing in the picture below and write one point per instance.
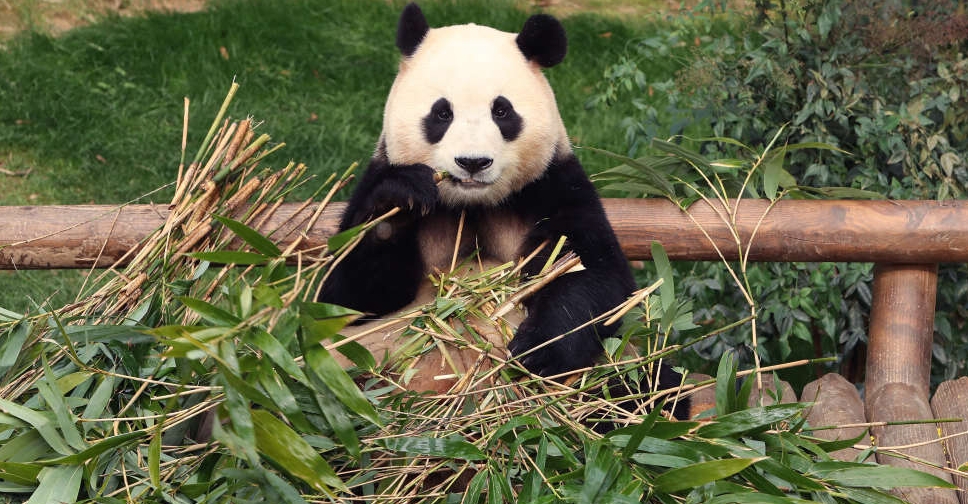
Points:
(907, 240)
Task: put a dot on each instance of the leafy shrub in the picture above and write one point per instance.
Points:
(883, 82)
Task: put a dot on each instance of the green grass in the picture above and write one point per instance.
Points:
(97, 112)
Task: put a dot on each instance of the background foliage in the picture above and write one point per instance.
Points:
(882, 81)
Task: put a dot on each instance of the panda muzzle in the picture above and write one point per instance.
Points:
(474, 165)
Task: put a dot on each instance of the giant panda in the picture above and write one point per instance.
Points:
(472, 101)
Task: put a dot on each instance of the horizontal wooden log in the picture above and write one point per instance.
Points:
(911, 232)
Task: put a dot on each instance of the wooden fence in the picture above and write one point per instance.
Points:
(907, 240)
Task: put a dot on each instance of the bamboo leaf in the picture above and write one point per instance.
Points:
(751, 419)
(292, 453)
(699, 474)
(238, 394)
(210, 312)
(339, 240)
(57, 484)
(42, 421)
(603, 471)
(638, 432)
(745, 390)
(783, 472)
(476, 488)
(676, 448)
(325, 367)
(659, 460)
(286, 493)
(154, 458)
(676, 150)
(726, 384)
(325, 310)
(281, 357)
(650, 175)
(832, 446)
(9, 316)
(68, 382)
(12, 344)
(100, 398)
(749, 497)
(336, 415)
(128, 335)
(772, 170)
(878, 476)
(667, 291)
(454, 448)
(185, 339)
(20, 473)
(322, 321)
(669, 430)
(250, 236)
(96, 449)
(870, 496)
(276, 388)
(356, 353)
(52, 395)
(28, 445)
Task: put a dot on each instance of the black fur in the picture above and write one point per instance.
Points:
(436, 122)
(411, 29)
(564, 202)
(543, 40)
(507, 120)
(382, 273)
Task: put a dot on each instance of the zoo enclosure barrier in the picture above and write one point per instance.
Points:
(905, 239)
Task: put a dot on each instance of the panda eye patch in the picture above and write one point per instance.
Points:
(507, 120)
(436, 122)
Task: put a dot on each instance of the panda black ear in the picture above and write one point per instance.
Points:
(543, 40)
(411, 29)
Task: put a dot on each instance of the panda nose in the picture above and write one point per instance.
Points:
(473, 165)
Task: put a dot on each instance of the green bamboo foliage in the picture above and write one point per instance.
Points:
(204, 372)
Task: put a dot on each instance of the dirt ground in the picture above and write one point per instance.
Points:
(58, 16)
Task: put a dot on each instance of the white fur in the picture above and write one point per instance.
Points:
(470, 66)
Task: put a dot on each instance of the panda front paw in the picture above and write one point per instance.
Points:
(575, 350)
(408, 187)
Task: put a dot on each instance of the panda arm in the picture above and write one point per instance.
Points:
(382, 273)
(566, 203)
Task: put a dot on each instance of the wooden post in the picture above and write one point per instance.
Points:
(902, 326)
(899, 371)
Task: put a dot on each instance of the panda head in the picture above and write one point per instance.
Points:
(472, 101)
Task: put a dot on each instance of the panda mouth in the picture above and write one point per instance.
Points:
(468, 183)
